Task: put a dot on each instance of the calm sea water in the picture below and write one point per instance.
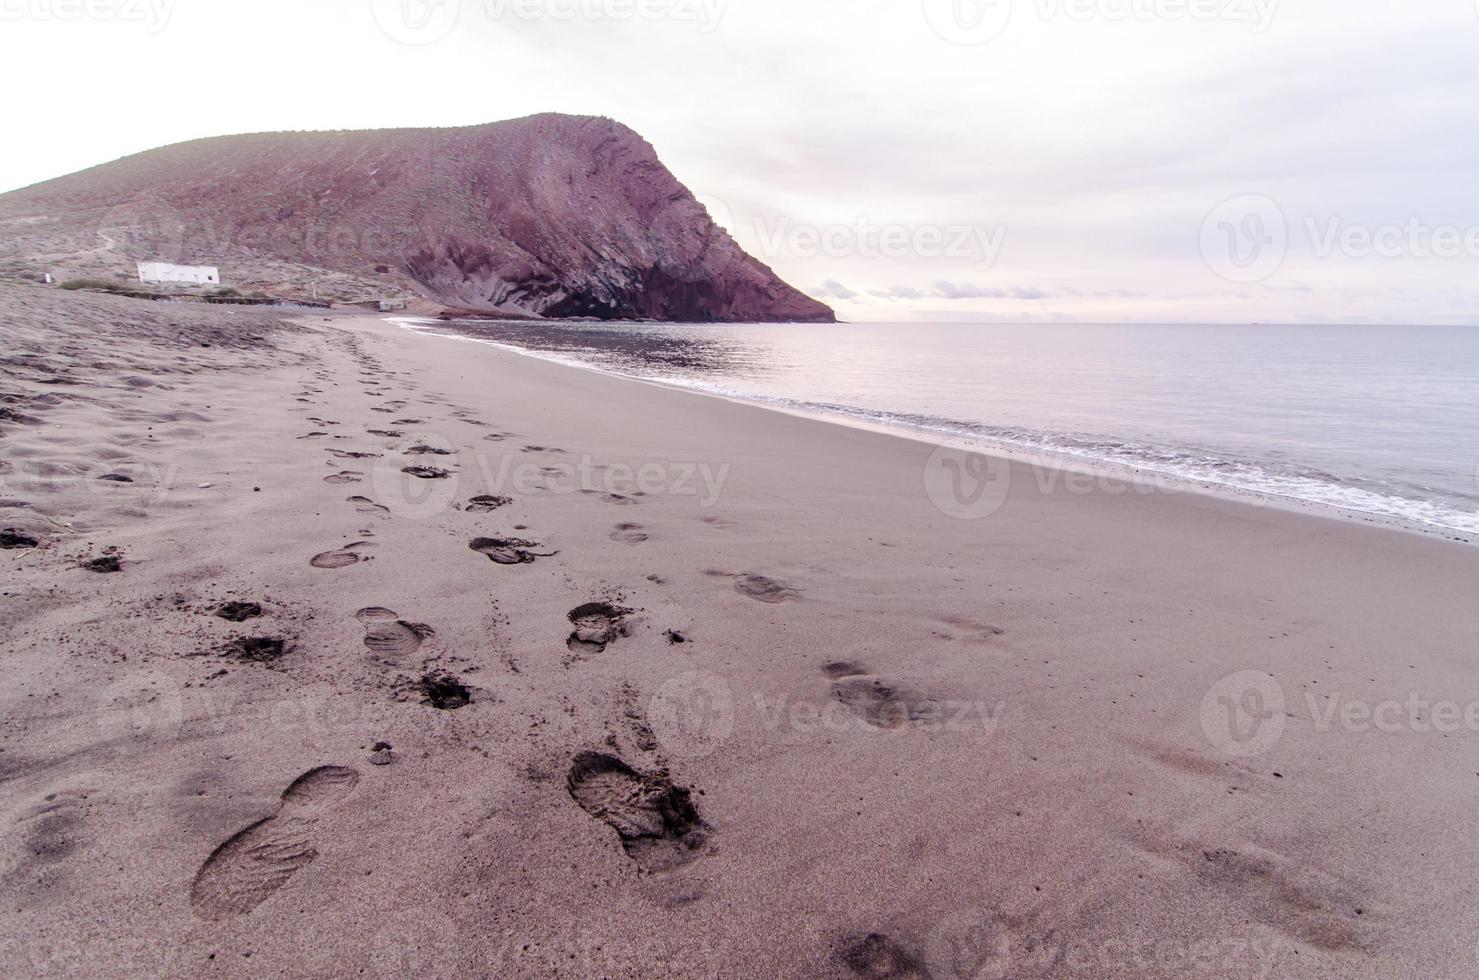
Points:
(1380, 420)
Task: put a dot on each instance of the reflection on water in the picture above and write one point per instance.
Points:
(627, 348)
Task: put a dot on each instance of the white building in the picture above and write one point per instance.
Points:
(199, 275)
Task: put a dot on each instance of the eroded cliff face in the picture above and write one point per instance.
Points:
(556, 216)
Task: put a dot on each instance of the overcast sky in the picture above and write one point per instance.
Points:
(1148, 160)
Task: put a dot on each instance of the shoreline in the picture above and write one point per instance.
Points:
(1129, 474)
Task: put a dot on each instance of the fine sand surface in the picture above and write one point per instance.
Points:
(891, 742)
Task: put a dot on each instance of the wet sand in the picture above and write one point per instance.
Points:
(629, 681)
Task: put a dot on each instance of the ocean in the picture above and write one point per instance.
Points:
(1381, 421)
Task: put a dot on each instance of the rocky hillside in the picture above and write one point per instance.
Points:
(555, 216)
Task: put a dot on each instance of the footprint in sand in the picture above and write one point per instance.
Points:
(629, 534)
(877, 702)
(248, 868)
(387, 635)
(879, 957)
(763, 589)
(386, 433)
(426, 472)
(1281, 892)
(486, 504)
(348, 476)
(365, 505)
(344, 557)
(507, 551)
(597, 625)
(657, 822)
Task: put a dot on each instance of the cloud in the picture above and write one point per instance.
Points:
(1101, 179)
(945, 289)
(897, 292)
(832, 289)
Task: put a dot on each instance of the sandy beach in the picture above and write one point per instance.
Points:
(627, 681)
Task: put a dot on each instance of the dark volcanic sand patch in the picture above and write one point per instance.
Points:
(445, 692)
(838, 669)
(12, 538)
(878, 957)
(258, 649)
(239, 612)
